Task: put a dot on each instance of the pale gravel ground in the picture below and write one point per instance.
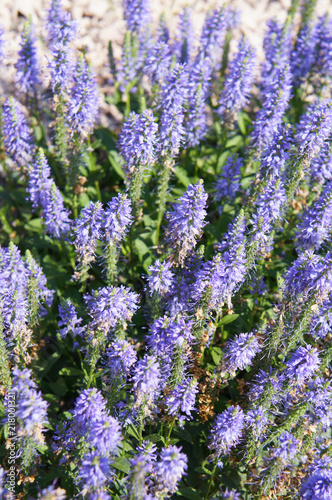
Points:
(101, 21)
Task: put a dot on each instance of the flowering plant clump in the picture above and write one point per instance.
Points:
(166, 283)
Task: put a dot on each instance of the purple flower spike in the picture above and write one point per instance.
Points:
(17, 138)
(303, 55)
(161, 278)
(199, 90)
(121, 356)
(94, 471)
(31, 409)
(158, 62)
(118, 218)
(44, 194)
(84, 100)
(61, 31)
(111, 305)
(227, 430)
(88, 230)
(316, 224)
(302, 364)
(137, 140)
(257, 419)
(69, 320)
(238, 82)
(241, 351)
(322, 59)
(314, 129)
(170, 469)
(319, 484)
(146, 384)
(288, 447)
(137, 14)
(186, 221)
(213, 36)
(185, 37)
(2, 44)
(228, 183)
(276, 98)
(27, 76)
(182, 399)
(173, 97)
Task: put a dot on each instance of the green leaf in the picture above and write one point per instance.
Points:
(154, 438)
(181, 174)
(189, 493)
(183, 434)
(132, 430)
(250, 302)
(121, 464)
(228, 319)
(216, 355)
(70, 371)
(142, 249)
(113, 158)
(242, 124)
(59, 387)
(34, 225)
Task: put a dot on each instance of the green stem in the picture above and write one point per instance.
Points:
(170, 432)
(211, 480)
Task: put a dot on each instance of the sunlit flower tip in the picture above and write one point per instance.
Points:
(27, 76)
(303, 55)
(137, 14)
(227, 430)
(138, 140)
(185, 37)
(69, 320)
(17, 138)
(276, 96)
(173, 97)
(318, 485)
(121, 356)
(302, 364)
(83, 105)
(228, 183)
(61, 31)
(170, 468)
(257, 419)
(111, 305)
(287, 447)
(158, 61)
(186, 221)
(238, 82)
(87, 230)
(314, 129)
(182, 399)
(241, 351)
(118, 218)
(94, 471)
(213, 36)
(161, 278)
(105, 435)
